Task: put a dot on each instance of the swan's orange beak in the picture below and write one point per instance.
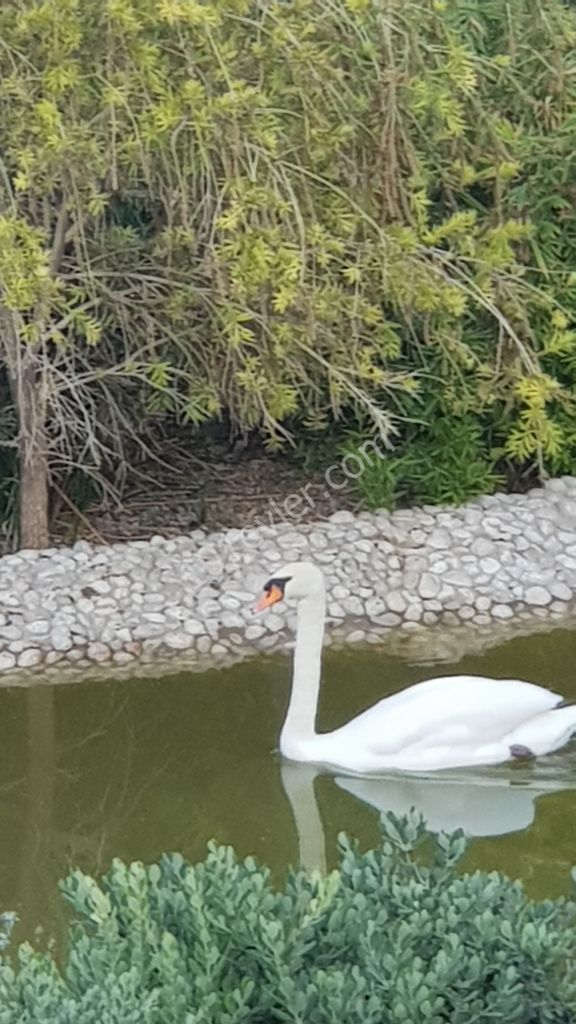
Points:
(269, 597)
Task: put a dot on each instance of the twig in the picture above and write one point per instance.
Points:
(74, 508)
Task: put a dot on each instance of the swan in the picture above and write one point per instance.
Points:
(448, 722)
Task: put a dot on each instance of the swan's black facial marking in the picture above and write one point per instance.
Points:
(276, 581)
(273, 592)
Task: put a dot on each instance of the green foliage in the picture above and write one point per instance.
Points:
(394, 935)
(507, 172)
(445, 464)
(291, 212)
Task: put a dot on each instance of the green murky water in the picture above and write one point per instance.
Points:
(134, 768)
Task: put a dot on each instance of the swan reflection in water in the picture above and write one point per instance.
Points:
(486, 804)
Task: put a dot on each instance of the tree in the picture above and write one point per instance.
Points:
(281, 211)
(73, 171)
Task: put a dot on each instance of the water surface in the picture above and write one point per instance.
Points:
(134, 768)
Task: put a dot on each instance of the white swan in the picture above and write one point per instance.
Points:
(452, 721)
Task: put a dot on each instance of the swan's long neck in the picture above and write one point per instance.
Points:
(299, 725)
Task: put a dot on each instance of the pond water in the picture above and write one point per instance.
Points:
(134, 768)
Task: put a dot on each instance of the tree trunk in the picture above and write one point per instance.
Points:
(31, 407)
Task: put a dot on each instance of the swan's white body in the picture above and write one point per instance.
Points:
(452, 721)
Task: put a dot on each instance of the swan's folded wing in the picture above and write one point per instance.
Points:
(449, 710)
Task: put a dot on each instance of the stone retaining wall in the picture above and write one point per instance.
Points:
(505, 557)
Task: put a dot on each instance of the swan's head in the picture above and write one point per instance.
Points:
(295, 580)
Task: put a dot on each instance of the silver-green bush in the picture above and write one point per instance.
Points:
(394, 936)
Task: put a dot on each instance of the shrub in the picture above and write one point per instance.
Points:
(394, 935)
(446, 463)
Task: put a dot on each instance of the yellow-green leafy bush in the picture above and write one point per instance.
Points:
(287, 212)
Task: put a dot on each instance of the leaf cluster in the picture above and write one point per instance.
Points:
(445, 463)
(394, 935)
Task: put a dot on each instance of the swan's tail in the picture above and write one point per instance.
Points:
(547, 731)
